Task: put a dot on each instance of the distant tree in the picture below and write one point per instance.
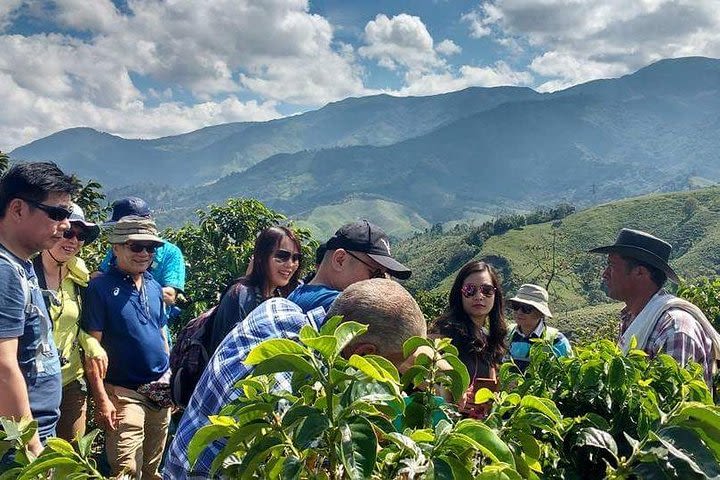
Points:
(217, 250)
(4, 162)
(691, 205)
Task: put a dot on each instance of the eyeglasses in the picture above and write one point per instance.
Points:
(374, 272)
(522, 307)
(282, 256)
(139, 247)
(470, 290)
(57, 214)
(70, 234)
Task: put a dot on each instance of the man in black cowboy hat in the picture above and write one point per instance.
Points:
(636, 271)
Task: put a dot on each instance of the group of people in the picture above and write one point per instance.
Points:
(63, 329)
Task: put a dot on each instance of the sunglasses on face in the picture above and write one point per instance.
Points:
(70, 234)
(139, 247)
(282, 256)
(57, 214)
(374, 272)
(470, 290)
(522, 307)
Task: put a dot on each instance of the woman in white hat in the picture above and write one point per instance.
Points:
(530, 309)
(64, 275)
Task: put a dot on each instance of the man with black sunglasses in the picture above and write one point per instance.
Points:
(123, 309)
(358, 251)
(34, 211)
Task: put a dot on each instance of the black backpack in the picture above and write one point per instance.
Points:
(189, 356)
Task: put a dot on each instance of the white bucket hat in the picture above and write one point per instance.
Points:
(535, 296)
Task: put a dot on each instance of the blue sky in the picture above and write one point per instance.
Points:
(149, 68)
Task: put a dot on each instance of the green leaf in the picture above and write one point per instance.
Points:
(460, 471)
(330, 325)
(459, 385)
(296, 413)
(204, 437)
(415, 375)
(346, 332)
(45, 463)
(307, 332)
(86, 442)
(385, 366)
(490, 442)
(285, 363)
(291, 469)
(358, 447)
(543, 405)
(325, 344)
(413, 343)
(310, 430)
(616, 373)
(442, 470)
(367, 368)
(257, 453)
(272, 348)
(484, 395)
(61, 446)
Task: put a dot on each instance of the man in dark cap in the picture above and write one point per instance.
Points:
(358, 251)
(636, 271)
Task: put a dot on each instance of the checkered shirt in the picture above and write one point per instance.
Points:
(679, 335)
(275, 318)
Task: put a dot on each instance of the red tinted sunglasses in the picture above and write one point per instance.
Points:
(470, 290)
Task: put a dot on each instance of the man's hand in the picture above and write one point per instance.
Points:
(169, 296)
(97, 364)
(106, 415)
(35, 446)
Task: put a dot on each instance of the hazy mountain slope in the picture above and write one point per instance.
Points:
(212, 152)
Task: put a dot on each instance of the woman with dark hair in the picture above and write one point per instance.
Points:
(64, 277)
(475, 323)
(274, 272)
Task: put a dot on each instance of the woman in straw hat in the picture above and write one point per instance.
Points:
(530, 309)
(64, 275)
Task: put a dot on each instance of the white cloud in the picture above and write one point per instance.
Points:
(209, 52)
(402, 41)
(580, 40)
(75, 14)
(499, 74)
(447, 47)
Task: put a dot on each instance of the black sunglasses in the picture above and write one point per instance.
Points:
(374, 272)
(470, 290)
(54, 213)
(139, 247)
(522, 307)
(81, 236)
(282, 256)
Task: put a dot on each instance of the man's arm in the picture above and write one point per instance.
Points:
(14, 401)
(105, 413)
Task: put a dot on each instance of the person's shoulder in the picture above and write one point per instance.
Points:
(170, 248)
(680, 320)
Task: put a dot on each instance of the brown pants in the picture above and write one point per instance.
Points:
(136, 445)
(73, 411)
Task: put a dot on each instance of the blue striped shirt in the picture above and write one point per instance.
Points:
(275, 318)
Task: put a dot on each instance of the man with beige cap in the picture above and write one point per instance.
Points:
(530, 309)
(123, 310)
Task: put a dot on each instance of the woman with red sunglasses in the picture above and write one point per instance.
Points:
(273, 272)
(475, 323)
(63, 277)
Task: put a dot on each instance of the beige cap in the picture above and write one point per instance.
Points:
(131, 228)
(533, 295)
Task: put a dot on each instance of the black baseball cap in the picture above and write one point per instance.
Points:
(368, 238)
(127, 206)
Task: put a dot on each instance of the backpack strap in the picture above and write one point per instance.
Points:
(27, 286)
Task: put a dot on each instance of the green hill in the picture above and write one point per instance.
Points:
(689, 220)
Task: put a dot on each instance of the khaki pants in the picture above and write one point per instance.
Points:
(73, 410)
(136, 445)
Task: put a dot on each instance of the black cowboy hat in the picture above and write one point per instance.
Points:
(644, 247)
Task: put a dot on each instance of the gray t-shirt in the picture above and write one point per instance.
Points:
(37, 355)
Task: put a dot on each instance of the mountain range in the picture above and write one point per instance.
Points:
(421, 160)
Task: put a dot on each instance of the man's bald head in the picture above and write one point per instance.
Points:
(391, 313)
